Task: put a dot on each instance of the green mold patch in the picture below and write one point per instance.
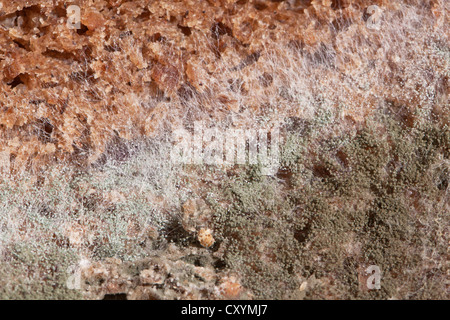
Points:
(339, 205)
(258, 231)
(31, 271)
